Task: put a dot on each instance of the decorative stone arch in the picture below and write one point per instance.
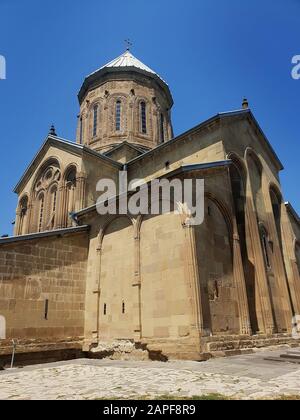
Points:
(137, 117)
(2, 327)
(51, 161)
(244, 267)
(225, 212)
(239, 163)
(277, 204)
(90, 113)
(139, 219)
(116, 303)
(273, 187)
(249, 152)
(48, 174)
(215, 261)
(68, 169)
(257, 178)
(109, 220)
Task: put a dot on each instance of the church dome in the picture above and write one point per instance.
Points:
(124, 101)
(126, 62)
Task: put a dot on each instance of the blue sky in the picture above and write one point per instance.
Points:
(212, 53)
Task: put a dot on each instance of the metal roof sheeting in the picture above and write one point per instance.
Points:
(128, 60)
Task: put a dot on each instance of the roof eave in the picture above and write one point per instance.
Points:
(181, 170)
(94, 77)
(249, 112)
(53, 140)
(292, 211)
(46, 234)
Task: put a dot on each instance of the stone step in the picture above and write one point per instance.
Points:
(294, 352)
(291, 356)
(275, 359)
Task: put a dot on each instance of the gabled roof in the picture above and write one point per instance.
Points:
(125, 144)
(292, 212)
(45, 234)
(181, 170)
(64, 144)
(218, 117)
(123, 64)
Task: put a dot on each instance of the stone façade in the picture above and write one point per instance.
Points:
(169, 288)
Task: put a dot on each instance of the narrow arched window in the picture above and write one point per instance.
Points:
(143, 117)
(80, 130)
(70, 193)
(41, 211)
(54, 199)
(265, 245)
(162, 128)
(95, 120)
(118, 116)
(53, 202)
(23, 212)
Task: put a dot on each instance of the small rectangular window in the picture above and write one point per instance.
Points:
(104, 309)
(46, 309)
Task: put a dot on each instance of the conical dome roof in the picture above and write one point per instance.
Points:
(124, 63)
(129, 60)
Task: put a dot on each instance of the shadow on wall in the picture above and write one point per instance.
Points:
(2, 328)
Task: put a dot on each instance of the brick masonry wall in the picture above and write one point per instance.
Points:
(33, 271)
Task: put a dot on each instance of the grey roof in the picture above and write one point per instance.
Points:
(46, 234)
(292, 211)
(182, 169)
(126, 62)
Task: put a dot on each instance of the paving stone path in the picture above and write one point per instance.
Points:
(247, 377)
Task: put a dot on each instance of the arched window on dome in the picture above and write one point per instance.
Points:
(95, 120)
(162, 128)
(80, 130)
(118, 115)
(143, 117)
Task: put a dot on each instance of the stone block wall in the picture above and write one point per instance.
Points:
(42, 287)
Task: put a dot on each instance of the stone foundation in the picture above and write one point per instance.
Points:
(40, 351)
(235, 345)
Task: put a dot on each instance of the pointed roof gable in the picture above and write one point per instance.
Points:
(64, 144)
(243, 113)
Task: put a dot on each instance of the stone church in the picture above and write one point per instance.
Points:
(73, 279)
